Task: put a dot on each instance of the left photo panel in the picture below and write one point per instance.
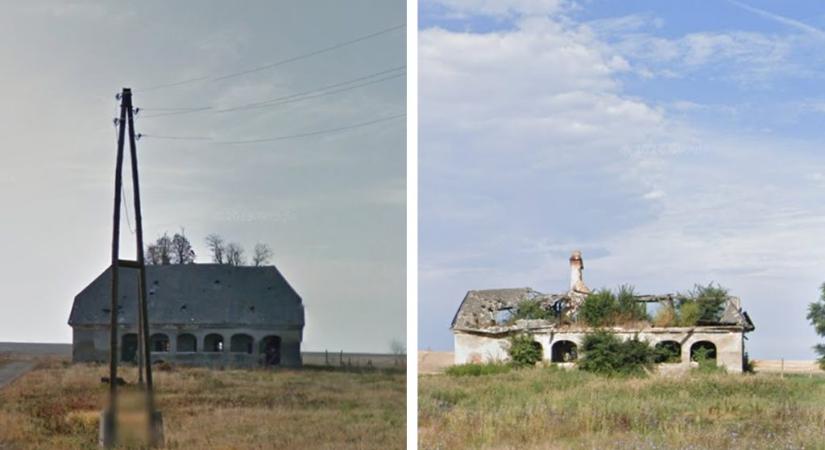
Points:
(204, 217)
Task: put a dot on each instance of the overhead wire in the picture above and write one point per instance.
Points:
(178, 138)
(276, 63)
(280, 138)
(306, 95)
(314, 93)
(311, 133)
(299, 96)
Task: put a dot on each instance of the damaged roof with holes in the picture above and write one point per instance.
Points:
(480, 310)
(194, 294)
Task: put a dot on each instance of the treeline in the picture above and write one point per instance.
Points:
(177, 249)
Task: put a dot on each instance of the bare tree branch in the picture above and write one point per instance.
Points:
(235, 254)
(216, 246)
(262, 255)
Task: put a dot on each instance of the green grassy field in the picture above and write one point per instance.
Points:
(547, 408)
(57, 406)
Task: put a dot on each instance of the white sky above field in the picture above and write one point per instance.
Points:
(332, 207)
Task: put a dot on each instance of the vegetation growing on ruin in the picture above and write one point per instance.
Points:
(709, 303)
(606, 308)
(702, 304)
(605, 353)
(705, 361)
(524, 350)
(531, 309)
(542, 408)
(666, 354)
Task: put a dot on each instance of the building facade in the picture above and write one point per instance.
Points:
(482, 327)
(199, 314)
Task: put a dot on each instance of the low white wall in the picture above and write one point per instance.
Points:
(729, 346)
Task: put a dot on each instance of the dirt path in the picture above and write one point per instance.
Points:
(11, 370)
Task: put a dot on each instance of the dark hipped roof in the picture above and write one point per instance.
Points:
(203, 294)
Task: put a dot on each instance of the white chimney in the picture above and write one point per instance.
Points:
(576, 273)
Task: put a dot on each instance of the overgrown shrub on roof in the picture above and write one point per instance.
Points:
(604, 308)
(702, 304)
(605, 353)
(628, 308)
(531, 309)
(666, 316)
(523, 350)
(599, 308)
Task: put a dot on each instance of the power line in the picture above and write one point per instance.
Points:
(182, 108)
(306, 94)
(278, 63)
(312, 133)
(278, 138)
(177, 138)
(177, 113)
(287, 98)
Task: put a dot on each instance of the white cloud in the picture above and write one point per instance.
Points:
(505, 7)
(654, 194)
(543, 85)
(528, 140)
(755, 56)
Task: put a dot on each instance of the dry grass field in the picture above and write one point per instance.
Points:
(547, 408)
(57, 405)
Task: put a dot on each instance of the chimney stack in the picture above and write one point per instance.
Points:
(576, 275)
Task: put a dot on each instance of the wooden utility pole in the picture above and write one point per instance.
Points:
(108, 428)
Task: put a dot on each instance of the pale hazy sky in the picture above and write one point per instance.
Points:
(673, 145)
(332, 207)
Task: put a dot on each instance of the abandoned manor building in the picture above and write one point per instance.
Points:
(485, 321)
(199, 314)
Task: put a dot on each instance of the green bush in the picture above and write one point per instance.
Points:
(704, 303)
(531, 309)
(820, 350)
(664, 353)
(689, 313)
(707, 362)
(599, 309)
(524, 351)
(475, 369)
(627, 307)
(604, 353)
(604, 308)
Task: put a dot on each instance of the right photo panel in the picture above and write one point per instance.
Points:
(620, 224)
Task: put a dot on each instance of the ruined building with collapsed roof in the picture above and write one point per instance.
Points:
(199, 314)
(485, 320)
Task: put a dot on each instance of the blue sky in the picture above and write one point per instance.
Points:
(673, 145)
